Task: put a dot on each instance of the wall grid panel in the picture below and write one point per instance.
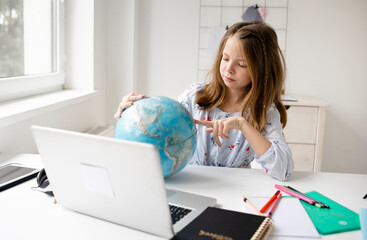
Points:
(221, 13)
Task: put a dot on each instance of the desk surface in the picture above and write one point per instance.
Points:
(28, 214)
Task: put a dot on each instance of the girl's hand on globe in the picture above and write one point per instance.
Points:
(126, 102)
(221, 128)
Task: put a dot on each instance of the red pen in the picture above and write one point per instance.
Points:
(271, 200)
(275, 204)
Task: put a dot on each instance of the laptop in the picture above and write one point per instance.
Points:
(114, 180)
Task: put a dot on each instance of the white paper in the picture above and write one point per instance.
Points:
(96, 179)
(289, 217)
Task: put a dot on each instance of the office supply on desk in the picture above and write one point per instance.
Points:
(294, 194)
(111, 179)
(274, 205)
(316, 202)
(290, 218)
(252, 206)
(43, 184)
(365, 196)
(335, 219)
(271, 200)
(216, 223)
(363, 222)
(14, 174)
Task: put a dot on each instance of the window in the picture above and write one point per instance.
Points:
(31, 47)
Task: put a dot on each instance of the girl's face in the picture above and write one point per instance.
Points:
(233, 66)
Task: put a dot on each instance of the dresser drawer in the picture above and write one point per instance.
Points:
(303, 156)
(302, 124)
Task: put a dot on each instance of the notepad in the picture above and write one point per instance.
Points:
(335, 219)
(290, 218)
(216, 223)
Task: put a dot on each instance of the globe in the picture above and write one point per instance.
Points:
(166, 124)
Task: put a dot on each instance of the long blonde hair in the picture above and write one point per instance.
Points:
(266, 67)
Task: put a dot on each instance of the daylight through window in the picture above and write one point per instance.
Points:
(30, 47)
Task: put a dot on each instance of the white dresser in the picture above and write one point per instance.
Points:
(304, 131)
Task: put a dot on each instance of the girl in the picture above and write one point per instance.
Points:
(239, 113)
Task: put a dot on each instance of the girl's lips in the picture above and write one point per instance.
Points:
(228, 79)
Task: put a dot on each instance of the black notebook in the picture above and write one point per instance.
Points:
(216, 223)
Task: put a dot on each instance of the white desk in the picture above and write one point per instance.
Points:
(28, 214)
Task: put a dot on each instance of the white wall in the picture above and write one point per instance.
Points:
(326, 57)
(120, 32)
(167, 46)
(17, 138)
(152, 48)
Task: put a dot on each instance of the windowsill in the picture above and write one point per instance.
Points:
(18, 110)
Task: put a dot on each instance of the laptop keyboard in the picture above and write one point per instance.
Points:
(178, 213)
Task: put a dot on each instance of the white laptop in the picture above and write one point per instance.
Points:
(115, 180)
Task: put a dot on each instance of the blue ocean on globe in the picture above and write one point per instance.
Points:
(166, 124)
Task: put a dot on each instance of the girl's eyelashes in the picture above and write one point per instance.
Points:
(240, 63)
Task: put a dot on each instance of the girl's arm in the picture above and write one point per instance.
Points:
(257, 141)
(278, 159)
(270, 147)
(221, 128)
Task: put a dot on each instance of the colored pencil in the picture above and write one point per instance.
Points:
(271, 200)
(252, 206)
(317, 202)
(275, 204)
(294, 194)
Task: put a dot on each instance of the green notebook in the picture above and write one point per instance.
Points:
(335, 219)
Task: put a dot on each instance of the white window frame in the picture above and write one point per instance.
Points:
(23, 86)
